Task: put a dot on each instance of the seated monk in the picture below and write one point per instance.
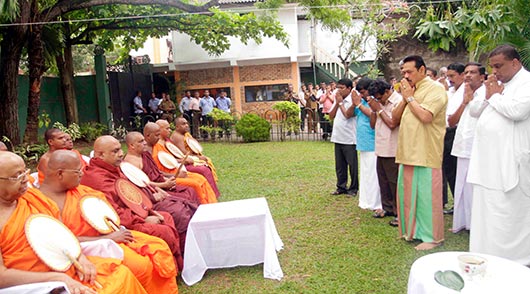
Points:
(148, 257)
(179, 138)
(18, 262)
(102, 173)
(70, 146)
(196, 181)
(180, 201)
(56, 140)
(202, 169)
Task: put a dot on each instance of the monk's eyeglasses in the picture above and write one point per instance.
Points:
(18, 178)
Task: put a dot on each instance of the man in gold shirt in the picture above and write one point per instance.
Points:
(419, 153)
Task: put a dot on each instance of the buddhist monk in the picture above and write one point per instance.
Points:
(56, 139)
(196, 181)
(103, 172)
(148, 257)
(18, 262)
(200, 168)
(180, 201)
(180, 138)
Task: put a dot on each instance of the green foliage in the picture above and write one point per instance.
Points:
(92, 130)
(219, 115)
(44, 120)
(290, 112)
(73, 130)
(30, 153)
(119, 131)
(253, 128)
(482, 25)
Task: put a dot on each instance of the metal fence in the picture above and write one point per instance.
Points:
(314, 127)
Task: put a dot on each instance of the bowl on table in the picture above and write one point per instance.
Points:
(472, 265)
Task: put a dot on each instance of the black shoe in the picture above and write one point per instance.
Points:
(448, 211)
(394, 222)
(352, 193)
(338, 192)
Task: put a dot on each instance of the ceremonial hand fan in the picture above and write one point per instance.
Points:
(99, 214)
(194, 145)
(52, 241)
(133, 197)
(134, 174)
(174, 150)
(167, 160)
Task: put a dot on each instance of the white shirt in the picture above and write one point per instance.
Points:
(455, 98)
(502, 136)
(344, 129)
(465, 132)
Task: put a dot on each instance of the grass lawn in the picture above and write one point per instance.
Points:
(330, 244)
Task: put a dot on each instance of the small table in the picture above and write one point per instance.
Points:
(229, 234)
(502, 275)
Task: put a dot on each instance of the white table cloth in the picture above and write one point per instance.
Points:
(502, 275)
(229, 234)
(36, 288)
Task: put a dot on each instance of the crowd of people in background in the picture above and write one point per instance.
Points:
(465, 132)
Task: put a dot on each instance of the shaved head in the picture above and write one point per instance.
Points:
(162, 123)
(132, 137)
(165, 128)
(63, 159)
(108, 149)
(9, 160)
(150, 128)
(12, 167)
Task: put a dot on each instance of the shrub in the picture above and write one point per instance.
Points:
(72, 130)
(92, 130)
(291, 122)
(253, 128)
(30, 153)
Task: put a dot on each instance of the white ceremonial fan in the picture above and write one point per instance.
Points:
(174, 150)
(99, 214)
(194, 145)
(134, 174)
(52, 241)
(167, 160)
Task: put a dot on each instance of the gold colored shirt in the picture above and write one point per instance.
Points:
(421, 144)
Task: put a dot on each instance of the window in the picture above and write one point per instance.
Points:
(266, 93)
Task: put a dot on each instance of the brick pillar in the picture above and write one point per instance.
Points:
(236, 94)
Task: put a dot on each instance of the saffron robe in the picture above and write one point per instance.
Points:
(102, 176)
(208, 160)
(181, 202)
(195, 181)
(18, 254)
(148, 257)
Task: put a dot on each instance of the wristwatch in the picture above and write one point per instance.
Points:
(410, 99)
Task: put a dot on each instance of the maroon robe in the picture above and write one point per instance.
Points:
(102, 176)
(181, 203)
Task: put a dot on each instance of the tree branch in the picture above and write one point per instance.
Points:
(65, 6)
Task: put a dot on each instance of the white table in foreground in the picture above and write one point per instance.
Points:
(229, 234)
(502, 275)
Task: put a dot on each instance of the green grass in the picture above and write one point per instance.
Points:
(330, 244)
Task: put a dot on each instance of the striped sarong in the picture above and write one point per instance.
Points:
(419, 203)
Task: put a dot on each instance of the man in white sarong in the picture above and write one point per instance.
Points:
(473, 89)
(500, 219)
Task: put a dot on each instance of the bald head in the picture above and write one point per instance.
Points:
(108, 149)
(150, 128)
(3, 146)
(135, 143)
(132, 137)
(13, 183)
(63, 159)
(165, 128)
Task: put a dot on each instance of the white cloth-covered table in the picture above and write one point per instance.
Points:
(229, 234)
(36, 288)
(502, 275)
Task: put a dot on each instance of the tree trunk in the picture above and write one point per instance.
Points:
(10, 52)
(36, 70)
(66, 73)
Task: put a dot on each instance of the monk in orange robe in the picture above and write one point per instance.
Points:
(148, 257)
(18, 262)
(203, 169)
(56, 140)
(103, 172)
(196, 181)
(180, 138)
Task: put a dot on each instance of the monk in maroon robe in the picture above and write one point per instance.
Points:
(180, 201)
(103, 172)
